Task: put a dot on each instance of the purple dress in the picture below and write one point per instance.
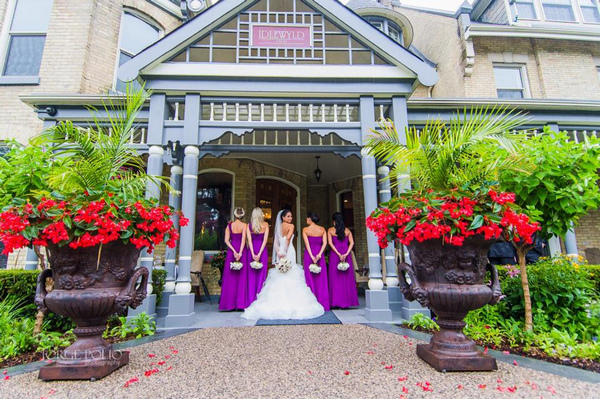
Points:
(317, 282)
(233, 290)
(256, 277)
(342, 284)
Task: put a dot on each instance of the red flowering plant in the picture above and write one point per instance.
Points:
(92, 190)
(451, 216)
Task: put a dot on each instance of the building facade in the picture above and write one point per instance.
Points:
(251, 97)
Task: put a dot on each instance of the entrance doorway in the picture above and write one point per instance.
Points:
(272, 196)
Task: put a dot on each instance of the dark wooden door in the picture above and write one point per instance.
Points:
(272, 196)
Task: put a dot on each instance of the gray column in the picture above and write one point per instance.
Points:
(171, 253)
(31, 261)
(571, 242)
(175, 203)
(154, 168)
(400, 116)
(181, 304)
(377, 308)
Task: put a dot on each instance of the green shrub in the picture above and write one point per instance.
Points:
(594, 274)
(561, 295)
(18, 284)
(419, 320)
(159, 278)
(16, 331)
(139, 326)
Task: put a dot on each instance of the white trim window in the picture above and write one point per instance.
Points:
(590, 12)
(511, 81)
(388, 27)
(559, 10)
(525, 9)
(28, 24)
(136, 34)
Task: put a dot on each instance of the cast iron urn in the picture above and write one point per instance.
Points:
(450, 280)
(90, 284)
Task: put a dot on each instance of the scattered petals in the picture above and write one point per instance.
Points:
(482, 386)
(131, 381)
(370, 353)
(169, 368)
(410, 343)
(405, 336)
(309, 372)
(404, 389)
(403, 378)
(485, 350)
(425, 385)
(505, 352)
(383, 363)
(515, 363)
(175, 352)
(499, 381)
(148, 373)
(346, 372)
(389, 367)
(552, 390)
(171, 347)
(5, 372)
(151, 355)
(167, 356)
(512, 389)
(459, 386)
(52, 392)
(7, 377)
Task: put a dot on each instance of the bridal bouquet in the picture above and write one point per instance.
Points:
(284, 265)
(256, 265)
(314, 268)
(343, 266)
(237, 265)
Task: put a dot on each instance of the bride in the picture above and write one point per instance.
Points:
(284, 295)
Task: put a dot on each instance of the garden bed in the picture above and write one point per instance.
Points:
(534, 353)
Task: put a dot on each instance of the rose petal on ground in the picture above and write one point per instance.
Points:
(499, 381)
(167, 356)
(7, 377)
(151, 355)
(52, 392)
(404, 389)
(389, 367)
(403, 378)
(169, 368)
(370, 353)
(485, 350)
(5, 372)
(482, 386)
(515, 363)
(459, 386)
(175, 352)
(505, 352)
(346, 372)
(552, 390)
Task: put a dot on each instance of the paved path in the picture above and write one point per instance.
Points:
(315, 361)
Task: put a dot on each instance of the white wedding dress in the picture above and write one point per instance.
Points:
(285, 296)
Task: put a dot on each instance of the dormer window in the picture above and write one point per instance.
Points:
(589, 10)
(388, 27)
(558, 10)
(525, 9)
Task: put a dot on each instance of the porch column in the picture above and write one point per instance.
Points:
(153, 168)
(400, 117)
(181, 304)
(31, 260)
(171, 253)
(391, 275)
(377, 308)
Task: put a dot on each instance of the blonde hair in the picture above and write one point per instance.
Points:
(257, 219)
(239, 213)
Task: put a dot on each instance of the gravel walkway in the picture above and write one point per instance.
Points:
(315, 361)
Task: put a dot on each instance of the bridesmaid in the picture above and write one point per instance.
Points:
(258, 233)
(315, 241)
(233, 290)
(342, 284)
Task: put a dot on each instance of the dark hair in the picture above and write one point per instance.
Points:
(284, 212)
(340, 227)
(314, 217)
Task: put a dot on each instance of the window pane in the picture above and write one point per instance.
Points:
(510, 94)
(136, 34)
(31, 16)
(508, 78)
(526, 11)
(590, 14)
(122, 86)
(24, 55)
(559, 10)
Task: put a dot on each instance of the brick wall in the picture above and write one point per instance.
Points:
(436, 36)
(588, 232)
(79, 56)
(318, 202)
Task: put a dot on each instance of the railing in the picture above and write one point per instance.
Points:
(265, 138)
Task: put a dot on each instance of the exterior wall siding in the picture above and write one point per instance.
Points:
(495, 13)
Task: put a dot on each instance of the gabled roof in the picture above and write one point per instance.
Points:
(223, 10)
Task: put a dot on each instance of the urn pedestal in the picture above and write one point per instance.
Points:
(450, 280)
(90, 285)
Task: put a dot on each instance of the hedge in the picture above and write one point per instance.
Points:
(19, 284)
(159, 278)
(594, 272)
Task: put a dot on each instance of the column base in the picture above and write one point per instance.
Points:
(148, 306)
(163, 309)
(181, 311)
(378, 306)
(411, 308)
(396, 298)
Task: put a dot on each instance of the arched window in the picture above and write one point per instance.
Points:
(388, 27)
(136, 34)
(213, 209)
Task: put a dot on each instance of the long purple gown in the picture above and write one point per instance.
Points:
(234, 288)
(317, 282)
(256, 277)
(342, 284)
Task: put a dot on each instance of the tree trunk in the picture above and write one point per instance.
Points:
(521, 252)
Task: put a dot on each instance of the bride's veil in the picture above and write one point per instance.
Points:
(277, 243)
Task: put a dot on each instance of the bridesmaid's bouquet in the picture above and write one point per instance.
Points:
(284, 265)
(343, 266)
(256, 265)
(236, 265)
(314, 268)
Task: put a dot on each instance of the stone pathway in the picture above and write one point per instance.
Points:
(315, 361)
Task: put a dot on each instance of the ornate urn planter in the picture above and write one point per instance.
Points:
(90, 284)
(450, 280)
